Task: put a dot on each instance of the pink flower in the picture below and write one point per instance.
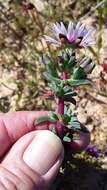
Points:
(74, 34)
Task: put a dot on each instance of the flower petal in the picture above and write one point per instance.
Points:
(70, 30)
(56, 29)
(77, 30)
(82, 30)
(52, 41)
(63, 29)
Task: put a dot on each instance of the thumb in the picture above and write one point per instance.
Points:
(32, 162)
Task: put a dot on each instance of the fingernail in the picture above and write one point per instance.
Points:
(43, 152)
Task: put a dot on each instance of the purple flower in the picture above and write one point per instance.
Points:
(87, 64)
(73, 34)
(93, 151)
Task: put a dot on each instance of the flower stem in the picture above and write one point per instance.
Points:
(60, 106)
(60, 109)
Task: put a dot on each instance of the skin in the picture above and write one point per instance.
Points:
(30, 155)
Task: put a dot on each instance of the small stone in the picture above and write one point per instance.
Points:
(90, 127)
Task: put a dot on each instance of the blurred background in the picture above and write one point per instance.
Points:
(22, 26)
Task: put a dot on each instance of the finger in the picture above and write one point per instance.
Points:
(33, 161)
(16, 124)
(50, 176)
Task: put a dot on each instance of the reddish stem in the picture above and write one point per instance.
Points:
(60, 109)
(60, 106)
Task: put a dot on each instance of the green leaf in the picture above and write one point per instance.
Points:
(53, 86)
(51, 69)
(75, 123)
(66, 139)
(69, 99)
(66, 119)
(68, 91)
(74, 118)
(79, 73)
(70, 46)
(53, 115)
(53, 129)
(43, 119)
(67, 110)
(75, 83)
(50, 77)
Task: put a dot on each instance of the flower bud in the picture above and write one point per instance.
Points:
(66, 55)
(93, 151)
(87, 64)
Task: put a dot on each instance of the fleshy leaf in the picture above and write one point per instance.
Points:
(66, 119)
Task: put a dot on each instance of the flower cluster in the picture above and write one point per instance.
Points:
(64, 73)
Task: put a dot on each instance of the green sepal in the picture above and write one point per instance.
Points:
(70, 46)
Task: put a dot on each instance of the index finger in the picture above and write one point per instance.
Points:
(15, 125)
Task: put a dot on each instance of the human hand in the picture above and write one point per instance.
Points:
(30, 158)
